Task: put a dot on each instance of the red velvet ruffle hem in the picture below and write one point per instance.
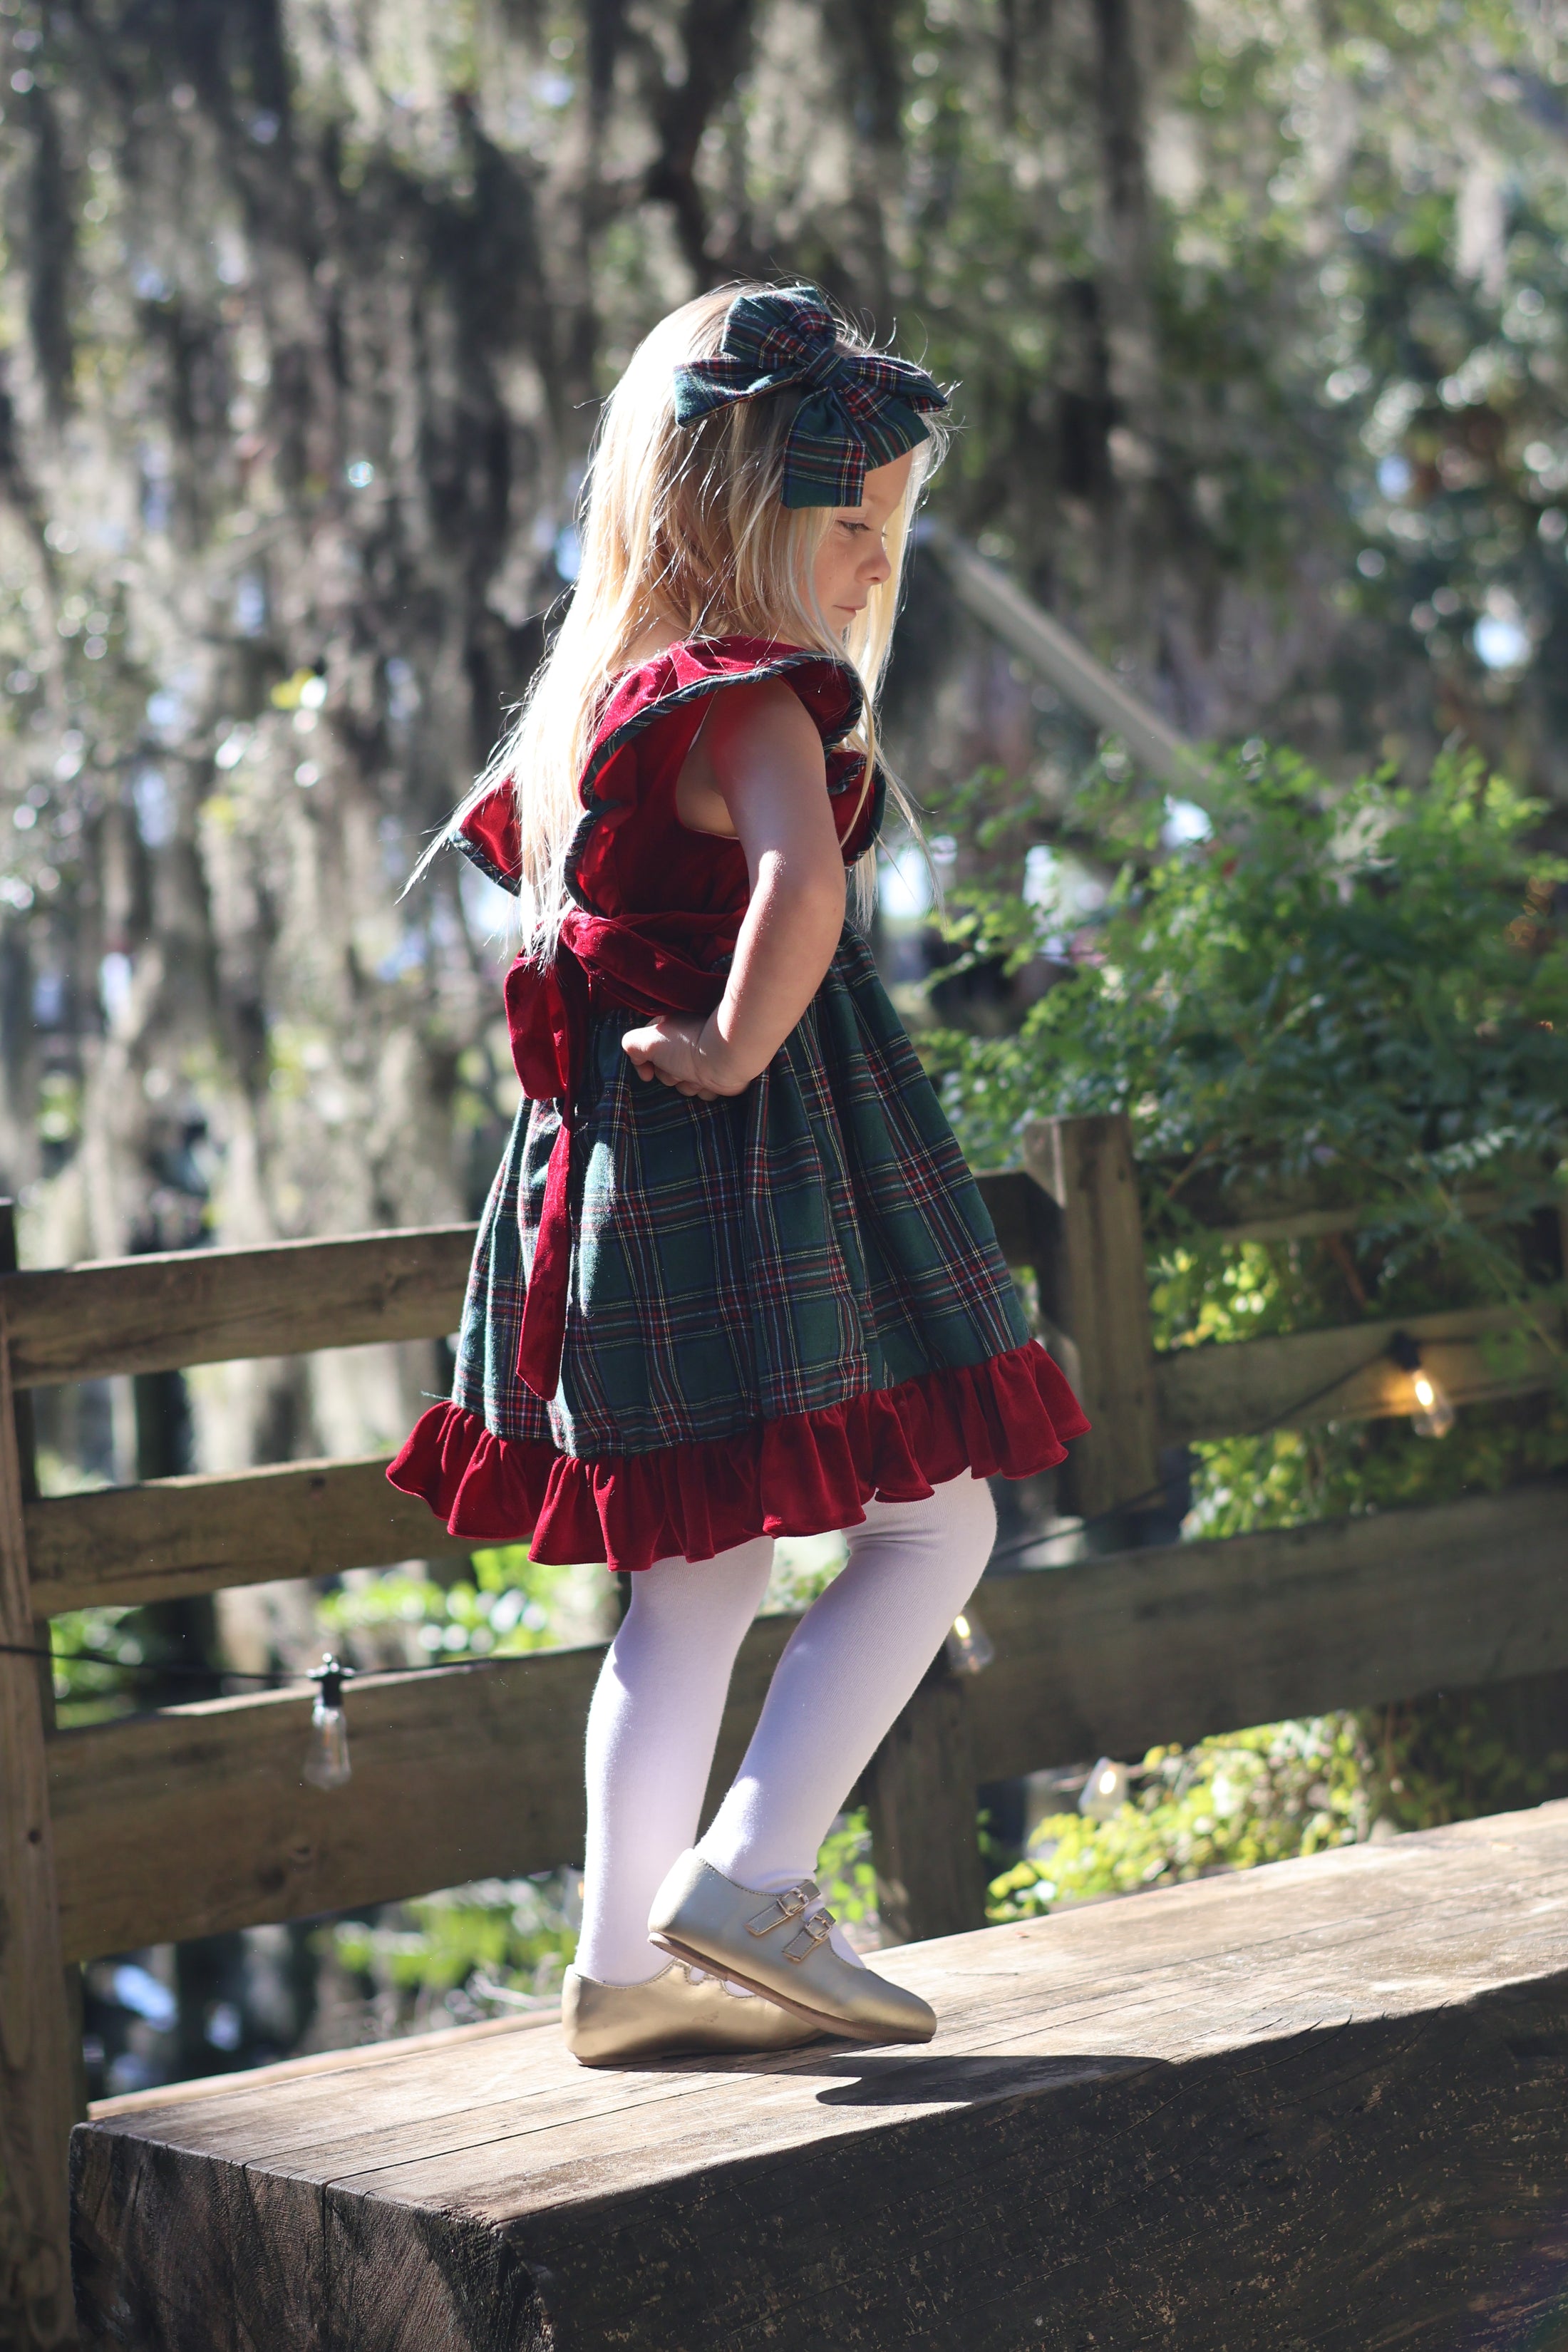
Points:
(799, 1477)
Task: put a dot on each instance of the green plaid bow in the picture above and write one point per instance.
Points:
(860, 409)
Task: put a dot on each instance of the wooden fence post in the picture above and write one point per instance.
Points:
(1094, 1295)
(1088, 1245)
(38, 2069)
(920, 1794)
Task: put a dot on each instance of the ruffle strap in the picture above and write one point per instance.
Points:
(799, 1477)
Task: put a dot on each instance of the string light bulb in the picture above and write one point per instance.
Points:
(1108, 1787)
(327, 1764)
(970, 1649)
(1432, 1409)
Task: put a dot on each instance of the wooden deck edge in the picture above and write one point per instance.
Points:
(1198, 2120)
(318, 2062)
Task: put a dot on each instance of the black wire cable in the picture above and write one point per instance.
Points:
(1159, 1494)
(276, 1680)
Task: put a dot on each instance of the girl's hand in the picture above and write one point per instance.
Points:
(687, 1054)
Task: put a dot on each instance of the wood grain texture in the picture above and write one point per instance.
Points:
(458, 1773)
(198, 1534)
(1094, 1294)
(1317, 2104)
(1347, 1374)
(920, 1792)
(1109, 1655)
(36, 2075)
(465, 1772)
(163, 1311)
(1025, 1217)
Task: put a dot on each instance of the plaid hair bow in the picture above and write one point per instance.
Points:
(858, 409)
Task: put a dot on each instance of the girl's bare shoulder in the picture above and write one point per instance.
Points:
(762, 719)
(757, 739)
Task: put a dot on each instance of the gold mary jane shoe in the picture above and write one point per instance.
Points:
(778, 1945)
(671, 2015)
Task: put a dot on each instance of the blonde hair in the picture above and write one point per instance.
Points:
(682, 527)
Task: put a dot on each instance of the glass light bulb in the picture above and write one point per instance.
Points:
(1106, 1790)
(970, 1649)
(327, 1764)
(1434, 1413)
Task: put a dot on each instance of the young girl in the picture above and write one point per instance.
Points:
(734, 1280)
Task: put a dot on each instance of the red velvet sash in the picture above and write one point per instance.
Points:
(632, 962)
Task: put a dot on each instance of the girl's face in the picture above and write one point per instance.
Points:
(852, 559)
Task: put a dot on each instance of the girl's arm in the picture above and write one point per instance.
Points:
(759, 762)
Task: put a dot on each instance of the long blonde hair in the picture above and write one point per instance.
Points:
(682, 527)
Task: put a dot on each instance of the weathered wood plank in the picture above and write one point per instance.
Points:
(1319, 2103)
(1347, 1374)
(37, 2074)
(920, 1792)
(163, 1311)
(1023, 1213)
(458, 1773)
(1109, 1655)
(461, 1773)
(1094, 1293)
(198, 1534)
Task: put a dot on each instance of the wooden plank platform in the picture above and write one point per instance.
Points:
(1317, 2105)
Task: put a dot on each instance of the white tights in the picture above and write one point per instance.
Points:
(851, 1662)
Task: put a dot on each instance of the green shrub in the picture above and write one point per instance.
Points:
(1253, 1796)
(1350, 994)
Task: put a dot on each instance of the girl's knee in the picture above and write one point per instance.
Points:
(974, 1511)
(969, 1526)
(957, 1524)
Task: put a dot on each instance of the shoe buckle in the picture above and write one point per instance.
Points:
(814, 1929)
(783, 1910)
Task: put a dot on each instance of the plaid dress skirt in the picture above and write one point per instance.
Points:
(780, 1304)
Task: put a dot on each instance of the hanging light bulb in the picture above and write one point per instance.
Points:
(970, 1649)
(327, 1764)
(1106, 1790)
(1432, 1410)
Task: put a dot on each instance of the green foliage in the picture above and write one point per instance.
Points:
(510, 1605)
(1275, 1793)
(1265, 1795)
(1345, 995)
(466, 1953)
(1455, 1755)
(804, 1565)
(1358, 988)
(845, 1871)
(88, 1691)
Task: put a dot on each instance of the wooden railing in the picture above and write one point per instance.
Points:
(194, 1818)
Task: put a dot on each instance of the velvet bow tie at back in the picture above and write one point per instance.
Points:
(857, 409)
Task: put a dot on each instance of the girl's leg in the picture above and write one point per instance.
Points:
(652, 1729)
(853, 1661)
